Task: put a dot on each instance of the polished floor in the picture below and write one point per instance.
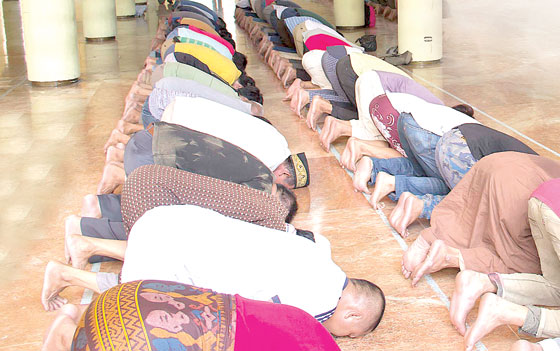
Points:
(500, 57)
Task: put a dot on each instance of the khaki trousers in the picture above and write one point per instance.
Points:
(533, 289)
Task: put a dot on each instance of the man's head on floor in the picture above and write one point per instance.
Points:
(359, 310)
(293, 172)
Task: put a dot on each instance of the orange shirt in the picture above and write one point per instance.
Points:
(199, 24)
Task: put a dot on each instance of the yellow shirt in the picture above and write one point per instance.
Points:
(362, 63)
(217, 63)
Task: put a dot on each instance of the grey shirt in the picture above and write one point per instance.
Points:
(168, 88)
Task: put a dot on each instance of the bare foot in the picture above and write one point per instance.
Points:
(139, 91)
(469, 287)
(61, 331)
(524, 345)
(317, 109)
(258, 37)
(439, 256)
(272, 57)
(288, 77)
(254, 30)
(136, 98)
(264, 46)
(71, 227)
(149, 66)
(493, 312)
(132, 106)
(113, 176)
(133, 89)
(114, 154)
(414, 255)
(79, 250)
(142, 76)
(300, 100)
(296, 85)
(408, 210)
(53, 284)
(128, 128)
(351, 154)
(268, 53)
(280, 67)
(333, 129)
(115, 138)
(132, 116)
(362, 175)
(156, 44)
(384, 185)
(277, 65)
(150, 60)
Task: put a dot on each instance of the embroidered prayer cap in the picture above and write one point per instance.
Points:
(302, 170)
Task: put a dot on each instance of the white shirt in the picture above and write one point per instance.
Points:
(198, 246)
(251, 134)
(434, 118)
(438, 119)
(368, 87)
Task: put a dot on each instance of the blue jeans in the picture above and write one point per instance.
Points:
(454, 160)
(419, 145)
(406, 178)
(417, 174)
(146, 115)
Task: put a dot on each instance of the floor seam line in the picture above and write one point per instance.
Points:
(87, 296)
(13, 87)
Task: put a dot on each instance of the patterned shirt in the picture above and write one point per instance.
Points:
(153, 185)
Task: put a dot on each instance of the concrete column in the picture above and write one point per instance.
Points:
(420, 29)
(125, 8)
(100, 20)
(51, 43)
(349, 13)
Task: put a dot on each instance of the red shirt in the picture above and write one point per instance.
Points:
(268, 326)
(549, 193)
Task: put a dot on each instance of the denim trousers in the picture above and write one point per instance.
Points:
(417, 174)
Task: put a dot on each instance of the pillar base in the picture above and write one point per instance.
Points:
(125, 17)
(57, 83)
(424, 63)
(99, 40)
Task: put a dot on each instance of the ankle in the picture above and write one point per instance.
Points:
(65, 274)
(452, 257)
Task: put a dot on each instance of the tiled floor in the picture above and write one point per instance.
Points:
(500, 57)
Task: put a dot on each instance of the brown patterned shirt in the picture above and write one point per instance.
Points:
(154, 185)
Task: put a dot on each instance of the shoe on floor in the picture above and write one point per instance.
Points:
(403, 59)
